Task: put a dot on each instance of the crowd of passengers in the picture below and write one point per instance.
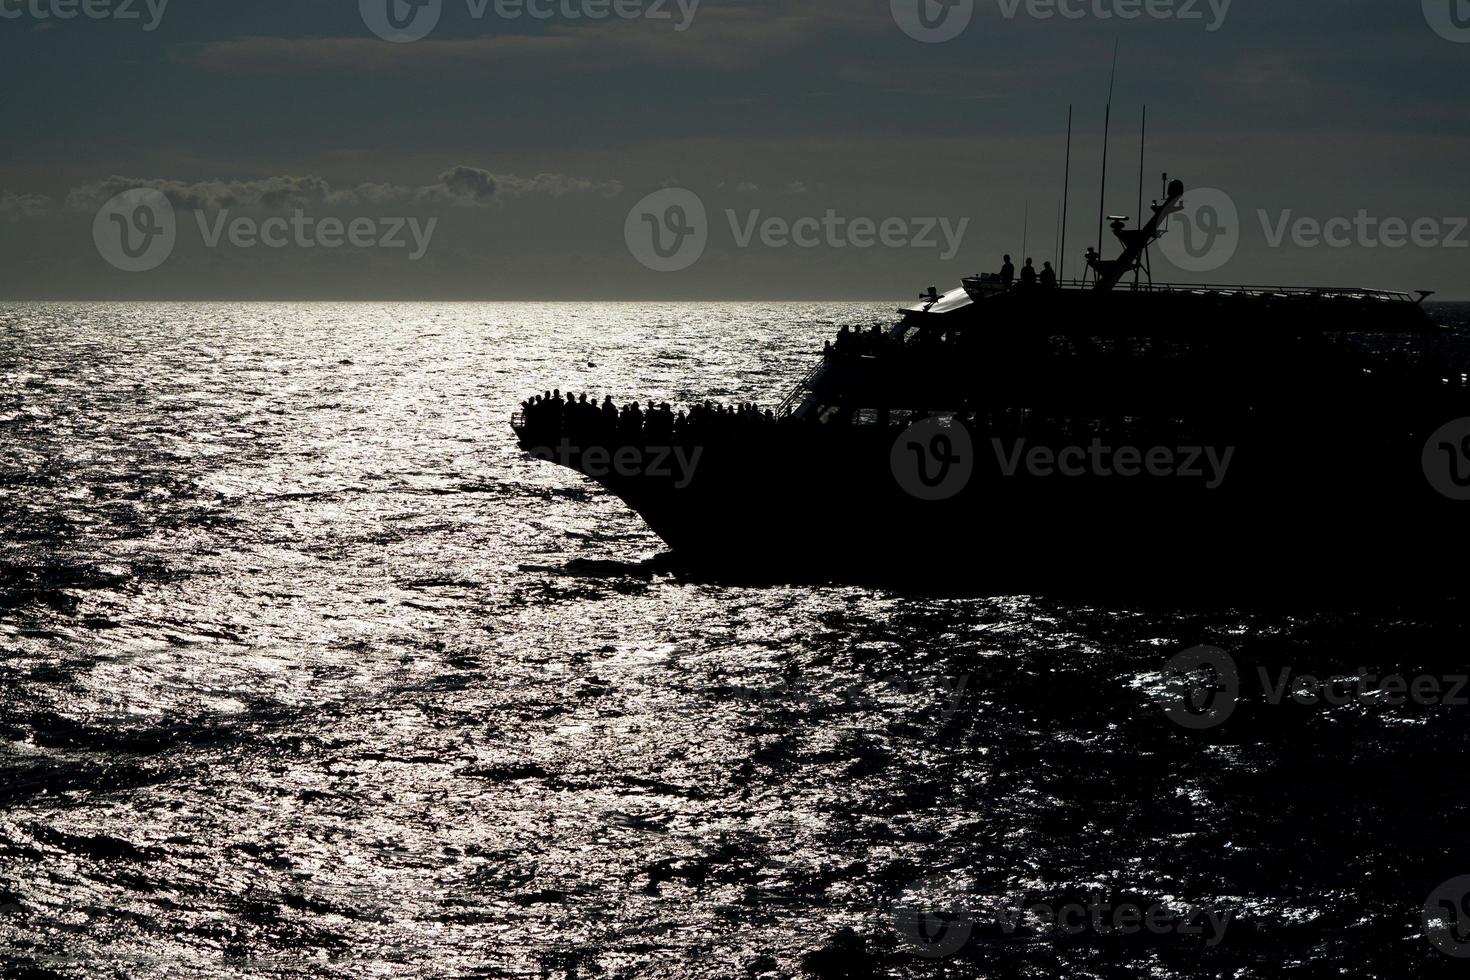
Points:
(857, 342)
(854, 342)
(582, 419)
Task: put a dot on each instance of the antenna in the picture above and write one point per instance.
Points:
(1056, 242)
(1142, 145)
(1025, 232)
(1066, 187)
(1107, 125)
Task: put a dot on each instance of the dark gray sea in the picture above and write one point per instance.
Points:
(307, 671)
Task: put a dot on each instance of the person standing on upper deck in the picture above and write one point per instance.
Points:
(1007, 273)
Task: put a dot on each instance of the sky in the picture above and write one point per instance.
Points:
(712, 149)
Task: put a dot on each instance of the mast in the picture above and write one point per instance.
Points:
(1066, 186)
(1107, 125)
(1136, 242)
(1142, 146)
(1025, 232)
(1056, 242)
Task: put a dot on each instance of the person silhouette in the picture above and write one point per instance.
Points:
(1048, 276)
(609, 415)
(1007, 273)
(1028, 274)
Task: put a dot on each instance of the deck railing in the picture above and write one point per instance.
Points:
(1327, 292)
(800, 388)
(793, 397)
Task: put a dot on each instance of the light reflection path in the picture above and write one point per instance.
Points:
(295, 680)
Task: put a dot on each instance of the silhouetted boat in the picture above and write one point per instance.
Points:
(1278, 434)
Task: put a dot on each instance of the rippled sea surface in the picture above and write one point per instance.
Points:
(305, 670)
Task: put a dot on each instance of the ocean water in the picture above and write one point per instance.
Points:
(307, 671)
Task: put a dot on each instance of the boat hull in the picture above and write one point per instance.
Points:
(847, 506)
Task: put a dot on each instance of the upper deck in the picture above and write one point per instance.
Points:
(1077, 305)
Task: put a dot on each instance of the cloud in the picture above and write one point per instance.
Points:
(273, 193)
(472, 187)
(558, 185)
(728, 36)
(469, 184)
(460, 186)
(14, 206)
